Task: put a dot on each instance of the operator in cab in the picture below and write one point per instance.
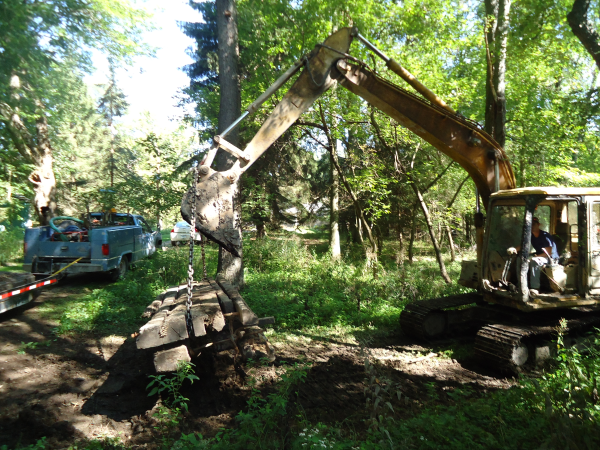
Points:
(545, 253)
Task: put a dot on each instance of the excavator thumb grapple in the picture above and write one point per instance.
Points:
(220, 320)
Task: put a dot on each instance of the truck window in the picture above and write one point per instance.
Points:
(145, 227)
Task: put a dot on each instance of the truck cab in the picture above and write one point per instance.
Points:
(571, 216)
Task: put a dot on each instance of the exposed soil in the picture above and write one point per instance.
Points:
(68, 389)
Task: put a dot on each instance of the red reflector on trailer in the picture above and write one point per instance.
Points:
(31, 287)
(25, 247)
(105, 249)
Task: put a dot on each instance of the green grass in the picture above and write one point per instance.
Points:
(305, 289)
(12, 268)
(115, 308)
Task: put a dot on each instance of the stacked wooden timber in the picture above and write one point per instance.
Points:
(220, 318)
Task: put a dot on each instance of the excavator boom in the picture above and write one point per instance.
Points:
(455, 136)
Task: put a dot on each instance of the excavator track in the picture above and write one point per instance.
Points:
(428, 319)
(509, 347)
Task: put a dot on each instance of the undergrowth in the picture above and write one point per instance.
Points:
(116, 308)
(303, 289)
(11, 245)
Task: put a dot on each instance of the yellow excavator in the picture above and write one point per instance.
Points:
(514, 322)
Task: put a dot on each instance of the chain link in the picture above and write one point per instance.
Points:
(188, 318)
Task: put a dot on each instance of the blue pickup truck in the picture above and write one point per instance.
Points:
(104, 242)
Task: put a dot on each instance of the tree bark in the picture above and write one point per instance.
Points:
(434, 241)
(334, 215)
(451, 243)
(413, 232)
(583, 29)
(400, 256)
(229, 266)
(496, 37)
(448, 229)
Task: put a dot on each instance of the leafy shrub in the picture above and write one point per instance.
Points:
(11, 245)
(302, 289)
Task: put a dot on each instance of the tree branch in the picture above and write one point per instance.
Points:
(583, 29)
(20, 136)
(297, 123)
(436, 179)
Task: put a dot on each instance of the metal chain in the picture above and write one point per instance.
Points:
(188, 316)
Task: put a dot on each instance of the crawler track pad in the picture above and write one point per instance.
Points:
(215, 216)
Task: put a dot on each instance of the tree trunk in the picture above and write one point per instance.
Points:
(400, 255)
(230, 267)
(583, 29)
(496, 36)
(44, 189)
(260, 229)
(334, 215)
(434, 241)
(451, 244)
(413, 232)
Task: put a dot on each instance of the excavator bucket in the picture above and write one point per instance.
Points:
(216, 214)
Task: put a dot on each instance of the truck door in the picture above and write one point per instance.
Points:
(147, 238)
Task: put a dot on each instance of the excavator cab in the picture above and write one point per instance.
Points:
(568, 277)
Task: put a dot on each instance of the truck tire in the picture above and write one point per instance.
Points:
(119, 272)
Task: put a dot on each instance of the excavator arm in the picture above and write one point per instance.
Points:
(326, 65)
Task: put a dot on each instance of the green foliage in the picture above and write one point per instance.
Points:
(303, 289)
(105, 443)
(170, 385)
(39, 445)
(265, 424)
(113, 309)
(11, 245)
(116, 308)
(32, 345)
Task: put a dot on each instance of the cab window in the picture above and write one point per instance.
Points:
(145, 227)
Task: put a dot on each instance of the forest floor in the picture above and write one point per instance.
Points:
(93, 386)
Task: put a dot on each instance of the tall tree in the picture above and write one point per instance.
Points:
(38, 39)
(496, 33)
(113, 103)
(229, 266)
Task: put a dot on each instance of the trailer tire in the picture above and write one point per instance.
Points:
(119, 272)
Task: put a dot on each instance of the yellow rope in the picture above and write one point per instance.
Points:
(67, 266)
